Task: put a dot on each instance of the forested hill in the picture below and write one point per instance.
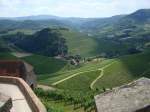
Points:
(101, 36)
(46, 42)
(42, 21)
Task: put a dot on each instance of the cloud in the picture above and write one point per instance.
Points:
(74, 8)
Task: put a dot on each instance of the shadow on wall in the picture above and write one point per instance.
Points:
(146, 109)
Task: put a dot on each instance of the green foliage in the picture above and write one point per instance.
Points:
(77, 99)
(6, 56)
(115, 36)
(125, 70)
(44, 64)
(81, 82)
(46, 42)
(80, 44)
(3, 46)
(48, 80)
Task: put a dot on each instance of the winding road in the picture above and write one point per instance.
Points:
(92, 84)
(101, 74)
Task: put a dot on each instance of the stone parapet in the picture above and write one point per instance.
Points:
(33, 101)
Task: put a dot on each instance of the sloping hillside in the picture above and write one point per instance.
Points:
(7, 56)
(105, 74)
(80, 76)
(80, 43)
(45, 65)
(124, 70)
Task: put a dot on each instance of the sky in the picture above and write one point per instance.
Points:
(70, 8)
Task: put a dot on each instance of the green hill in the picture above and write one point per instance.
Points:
(116, 72)
(124, 70)
(6, 56)
(82, 71)
(80, 43)
(45, 65)
(81, 82)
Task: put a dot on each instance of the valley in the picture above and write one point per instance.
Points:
(77, 58)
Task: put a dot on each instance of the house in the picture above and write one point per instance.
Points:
(20, 69)
(133, 97)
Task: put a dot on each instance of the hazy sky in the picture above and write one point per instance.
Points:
(70, 8)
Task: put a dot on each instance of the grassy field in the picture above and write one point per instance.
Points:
(79, 43)
(45, 65)
(124, 70)
(48, 80)
(25, 31)
(81, 82)
(60, 106)
(87, 46)
(112, 48)
(50, 70)
(121, 71)
(6, 56)
(82, 44)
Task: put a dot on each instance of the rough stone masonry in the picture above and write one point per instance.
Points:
(133, 97)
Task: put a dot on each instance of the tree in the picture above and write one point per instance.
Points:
(47, 42)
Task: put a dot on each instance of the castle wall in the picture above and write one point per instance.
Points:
(18, 69)
(32, 99)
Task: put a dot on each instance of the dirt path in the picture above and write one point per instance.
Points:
(100, 69)
(71, 77)
(101, 75)
(21, 54)
(46, 88)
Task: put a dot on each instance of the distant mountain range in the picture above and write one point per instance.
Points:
(36, 17)
(130, 33)
(85, 24)
(142, 15)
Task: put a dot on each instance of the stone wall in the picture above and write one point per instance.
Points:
(132, 97)
(31, 79)
(18, 69)
(32, 99)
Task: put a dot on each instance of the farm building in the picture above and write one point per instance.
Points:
(133, 97)
(18, 69)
